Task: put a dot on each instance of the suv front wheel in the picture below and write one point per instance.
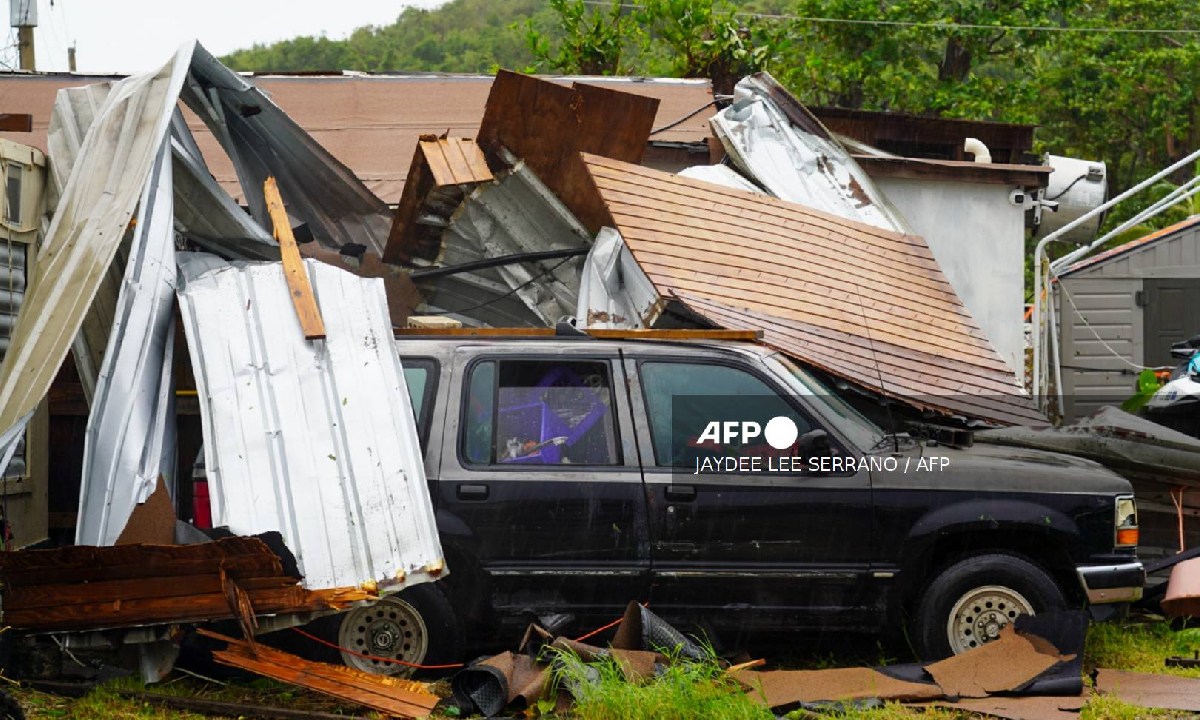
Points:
(971, 601)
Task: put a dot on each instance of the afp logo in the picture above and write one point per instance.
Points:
(780, 433)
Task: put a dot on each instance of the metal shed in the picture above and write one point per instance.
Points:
(1122, 309)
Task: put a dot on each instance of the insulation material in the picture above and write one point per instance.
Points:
(315, 439)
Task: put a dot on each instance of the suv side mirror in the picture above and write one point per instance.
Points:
(812, 442)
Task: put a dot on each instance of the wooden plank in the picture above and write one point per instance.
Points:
(36, 596)
(153, 611)
(473, 332)
(386, 694)
(677, 334)
(293, 266)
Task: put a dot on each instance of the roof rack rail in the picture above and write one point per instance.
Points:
(641, 334)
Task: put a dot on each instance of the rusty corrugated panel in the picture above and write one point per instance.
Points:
(80, 587)
(856, 300)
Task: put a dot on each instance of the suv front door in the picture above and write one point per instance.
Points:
(792, 548)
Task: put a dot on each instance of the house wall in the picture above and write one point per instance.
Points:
(1092, 375)
(978, 238)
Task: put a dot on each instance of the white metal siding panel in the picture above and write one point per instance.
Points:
(315, 439)
(1108, 306)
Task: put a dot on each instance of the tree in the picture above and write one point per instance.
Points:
(592, 40)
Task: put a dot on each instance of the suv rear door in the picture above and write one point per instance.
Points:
(796, 546)
(539, 480)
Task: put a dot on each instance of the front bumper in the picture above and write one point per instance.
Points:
(1112, 583)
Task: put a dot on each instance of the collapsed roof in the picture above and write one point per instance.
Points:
(316, 428)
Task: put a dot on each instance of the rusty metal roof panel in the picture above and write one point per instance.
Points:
(314, 439)
(839, 294)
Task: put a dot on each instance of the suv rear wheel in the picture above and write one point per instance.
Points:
(970, 602)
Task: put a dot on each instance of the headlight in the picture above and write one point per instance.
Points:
(1125, 521)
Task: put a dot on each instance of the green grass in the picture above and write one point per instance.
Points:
(1140, 646)
(684, 691)
(1105, 707)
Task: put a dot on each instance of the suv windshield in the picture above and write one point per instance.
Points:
(861, 431)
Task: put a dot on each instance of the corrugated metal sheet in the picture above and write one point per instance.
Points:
(443, 171)
(95, 208)
(855, 300)
(130, 440)
(777, 141)
(516, 215)
(263, 141)
(315, 439)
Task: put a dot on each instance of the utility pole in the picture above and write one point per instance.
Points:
(23, 16)
(71, 58)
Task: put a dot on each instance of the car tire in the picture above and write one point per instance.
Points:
(418, 626)
(968, 602)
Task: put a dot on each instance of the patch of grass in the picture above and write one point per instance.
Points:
(684, 691)
(1140, 647)
(1106, 707)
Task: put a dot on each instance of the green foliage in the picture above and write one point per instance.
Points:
(684, 691)
(1128, 99)
(460, 36)
(593, 38)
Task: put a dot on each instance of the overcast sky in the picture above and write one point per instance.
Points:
(132, 35)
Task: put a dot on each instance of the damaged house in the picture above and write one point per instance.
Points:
(262, 341)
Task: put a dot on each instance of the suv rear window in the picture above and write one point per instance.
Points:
(539, 412)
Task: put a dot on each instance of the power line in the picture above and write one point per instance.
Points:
(936, 25)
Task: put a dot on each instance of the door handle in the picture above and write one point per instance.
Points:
(471, 493)
(680, 493)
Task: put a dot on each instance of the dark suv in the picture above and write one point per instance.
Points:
(572, 475)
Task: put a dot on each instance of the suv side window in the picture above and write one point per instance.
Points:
(420, 375)
(539, 412)
(682, 398)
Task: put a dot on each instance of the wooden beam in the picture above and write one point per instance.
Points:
(615, 334)
(293, 266)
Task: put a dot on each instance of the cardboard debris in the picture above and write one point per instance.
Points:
(152, 522)
(388, 695)
(1006, 664)
(1023, 708)
(781, 689)
(1163, 692)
